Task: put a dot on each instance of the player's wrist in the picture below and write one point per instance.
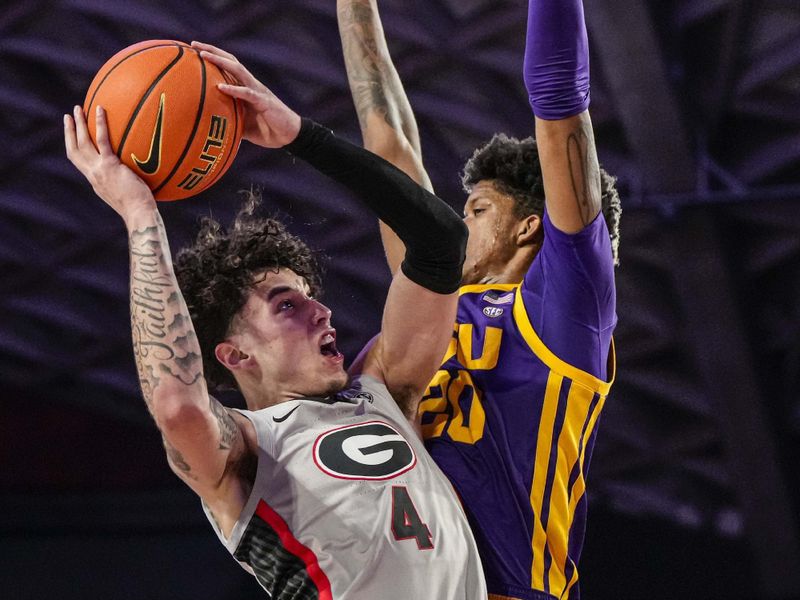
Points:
(292, 128)
(143, 214)
(309, 134)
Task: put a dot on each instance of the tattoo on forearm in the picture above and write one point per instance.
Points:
(582, 175)
(164, 342)
(369, 75)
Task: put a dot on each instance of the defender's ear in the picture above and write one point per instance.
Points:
(230, 356)
(530, 231)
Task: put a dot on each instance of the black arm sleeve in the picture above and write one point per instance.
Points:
(434, 235)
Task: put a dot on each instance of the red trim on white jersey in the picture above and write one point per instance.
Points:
(291, 544)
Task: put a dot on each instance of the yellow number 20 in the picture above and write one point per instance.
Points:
(450, 396)
(452, 391)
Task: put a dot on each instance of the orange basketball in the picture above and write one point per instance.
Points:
(166, 118)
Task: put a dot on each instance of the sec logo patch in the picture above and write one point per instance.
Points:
(493, 311)
(372, 450)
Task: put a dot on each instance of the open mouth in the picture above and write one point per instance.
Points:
(328, 346)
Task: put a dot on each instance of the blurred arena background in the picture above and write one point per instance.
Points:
(696, 104)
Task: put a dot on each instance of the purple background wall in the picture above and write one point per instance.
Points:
(695, 103)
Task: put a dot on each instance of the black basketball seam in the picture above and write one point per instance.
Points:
(122, 60)
(221, 170)
(196, 123)
(144, 98)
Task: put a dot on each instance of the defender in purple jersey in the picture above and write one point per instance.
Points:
(511, 416)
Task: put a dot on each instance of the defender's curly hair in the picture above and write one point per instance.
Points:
(217, 272)
(514, 167)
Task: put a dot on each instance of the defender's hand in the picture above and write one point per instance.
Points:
(116, 184)
(268, 121)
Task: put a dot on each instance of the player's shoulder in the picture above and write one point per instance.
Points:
(593, 239)
(569, 262)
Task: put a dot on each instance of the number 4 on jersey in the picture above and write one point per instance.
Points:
(406, 523)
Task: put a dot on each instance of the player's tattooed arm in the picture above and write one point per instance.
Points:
(228, 430)
(200, 436)
(571, 171)
(584, 173)
(164, 343)
(229, 435)
(388, 126)
(374, 83)
(199, 441)
(177, 462)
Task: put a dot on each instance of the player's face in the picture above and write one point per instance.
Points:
(290, 335)
(489, 217)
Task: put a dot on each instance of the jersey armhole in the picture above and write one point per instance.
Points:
(558, 365)
(265, 446)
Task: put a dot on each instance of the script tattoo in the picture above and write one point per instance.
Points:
(583, 174)
(164, 343)
(369, 77)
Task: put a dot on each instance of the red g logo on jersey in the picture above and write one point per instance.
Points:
(373, 450)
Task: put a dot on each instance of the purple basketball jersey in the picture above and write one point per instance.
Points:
(511, 416)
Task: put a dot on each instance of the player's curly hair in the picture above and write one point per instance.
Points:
(514, 167)
(217, 272)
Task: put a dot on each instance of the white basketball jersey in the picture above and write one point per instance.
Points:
(347, 504)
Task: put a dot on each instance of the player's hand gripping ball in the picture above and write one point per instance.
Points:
(166, 118)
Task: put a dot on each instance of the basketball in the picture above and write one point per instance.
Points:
(166, 118)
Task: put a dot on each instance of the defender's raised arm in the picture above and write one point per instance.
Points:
(388, 126)
(557, 79)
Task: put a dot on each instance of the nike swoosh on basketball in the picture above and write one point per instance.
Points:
(286, 416)
(153, 162)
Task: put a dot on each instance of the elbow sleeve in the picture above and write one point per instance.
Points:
(437, 266)
(434, 235)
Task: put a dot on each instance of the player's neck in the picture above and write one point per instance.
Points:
(259, 394)
(512, 271)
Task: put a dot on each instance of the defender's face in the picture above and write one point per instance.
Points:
(290, 335)
(489, 217)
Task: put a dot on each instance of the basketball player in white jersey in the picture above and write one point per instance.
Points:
(321, 488)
